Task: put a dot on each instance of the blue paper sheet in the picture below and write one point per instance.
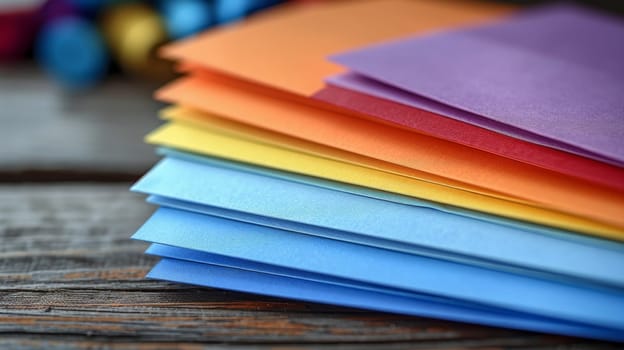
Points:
(598, 307)
(279, 286)
(387, 196)
(244, 264)
(340, 215)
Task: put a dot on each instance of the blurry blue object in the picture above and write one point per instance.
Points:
(73, 52)
(186, 17)
(231, 10)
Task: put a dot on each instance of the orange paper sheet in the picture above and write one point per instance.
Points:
(222, 142)
(397, 146)
(246, 131)
(269, 47)
(285, 52)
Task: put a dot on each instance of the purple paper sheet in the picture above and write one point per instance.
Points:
(556, 72)
(359, 83)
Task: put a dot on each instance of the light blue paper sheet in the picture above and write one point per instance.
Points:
(598, 307)
(279, 286)
(319, 211)
(387, 196)
(369, 241)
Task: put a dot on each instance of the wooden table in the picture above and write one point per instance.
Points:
(71, 278)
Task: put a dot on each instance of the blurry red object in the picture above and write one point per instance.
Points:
(17, 31)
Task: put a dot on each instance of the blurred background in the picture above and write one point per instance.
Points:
(76, 79)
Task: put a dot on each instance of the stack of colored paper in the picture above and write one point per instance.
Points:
(456, 160)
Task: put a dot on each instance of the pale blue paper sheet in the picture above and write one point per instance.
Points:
(597, 307)
(323, 212)
(387, 196)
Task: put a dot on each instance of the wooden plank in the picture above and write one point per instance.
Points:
(71, 278)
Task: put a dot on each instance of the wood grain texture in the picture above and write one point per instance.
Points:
(71, 279)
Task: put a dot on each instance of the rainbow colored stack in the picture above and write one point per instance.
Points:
(443, 159)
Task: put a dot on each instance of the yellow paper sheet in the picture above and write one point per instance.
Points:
(240, 130)
(207, 142)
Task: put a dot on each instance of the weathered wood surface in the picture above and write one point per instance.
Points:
(71, 278)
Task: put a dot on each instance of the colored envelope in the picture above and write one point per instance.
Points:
(337, 202)
(189, 118)
(382, 195)
(407, 149)
(555, 72)
(221, 260)
(234, 148)
(402, 302)
(549, 266)
(286, 48)
(593, 306)
(267, 284)
(376, 100)
(289, 64)
(302, 207)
